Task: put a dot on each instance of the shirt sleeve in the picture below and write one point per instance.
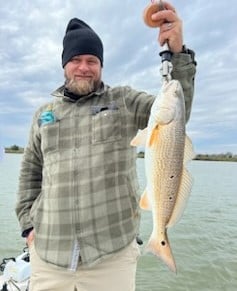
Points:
(30, 177)
(184, 70)
(139, 104)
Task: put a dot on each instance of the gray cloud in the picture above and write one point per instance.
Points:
(31, 35)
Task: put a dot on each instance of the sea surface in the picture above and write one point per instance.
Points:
(204, 242)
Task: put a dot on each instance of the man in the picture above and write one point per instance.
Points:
(77, 201)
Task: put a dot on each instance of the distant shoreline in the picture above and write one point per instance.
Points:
(199, 157)
(13, 151)
(218, 158)
(208, 157)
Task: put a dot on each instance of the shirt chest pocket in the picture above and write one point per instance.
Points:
(49, 137)
(106, 124)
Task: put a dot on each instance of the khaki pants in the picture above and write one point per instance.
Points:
(116, 273)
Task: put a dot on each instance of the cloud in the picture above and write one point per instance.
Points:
(31, 34)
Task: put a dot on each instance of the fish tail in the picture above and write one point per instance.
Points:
(162, 249)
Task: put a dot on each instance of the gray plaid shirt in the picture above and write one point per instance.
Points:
(78, 185)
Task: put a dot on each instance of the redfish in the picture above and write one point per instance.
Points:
(167, 150)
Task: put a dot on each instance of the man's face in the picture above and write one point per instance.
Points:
(83, 74)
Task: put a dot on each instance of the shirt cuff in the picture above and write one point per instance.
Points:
(26, 232)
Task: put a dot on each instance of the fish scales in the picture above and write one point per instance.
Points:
(167, 149)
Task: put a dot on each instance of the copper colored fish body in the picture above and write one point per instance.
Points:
(167, 149)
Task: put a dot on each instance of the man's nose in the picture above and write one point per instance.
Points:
(83, 66)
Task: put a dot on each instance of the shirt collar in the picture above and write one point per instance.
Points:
(62, 92)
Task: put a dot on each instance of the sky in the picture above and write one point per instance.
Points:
(31, 34)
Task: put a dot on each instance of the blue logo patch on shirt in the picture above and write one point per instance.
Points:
(47, 117)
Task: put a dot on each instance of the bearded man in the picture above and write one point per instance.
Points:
(78, 191)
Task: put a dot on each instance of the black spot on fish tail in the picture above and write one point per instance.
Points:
(163, 243)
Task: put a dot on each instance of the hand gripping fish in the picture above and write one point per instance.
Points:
(167, 150)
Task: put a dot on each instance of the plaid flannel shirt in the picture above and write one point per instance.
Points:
(78, 186)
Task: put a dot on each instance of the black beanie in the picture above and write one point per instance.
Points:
(80, 39)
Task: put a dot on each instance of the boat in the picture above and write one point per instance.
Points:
(15, 272)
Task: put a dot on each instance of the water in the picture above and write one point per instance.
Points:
(204, 242)
(10, 240)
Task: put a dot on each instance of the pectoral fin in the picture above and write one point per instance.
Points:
(154, 136)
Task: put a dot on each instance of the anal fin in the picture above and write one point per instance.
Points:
(144, 201)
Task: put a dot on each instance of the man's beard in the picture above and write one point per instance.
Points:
(81, 87)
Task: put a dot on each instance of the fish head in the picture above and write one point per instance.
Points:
(169, 104)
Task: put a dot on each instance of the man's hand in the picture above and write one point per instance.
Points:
(170, 24)
(30, 238)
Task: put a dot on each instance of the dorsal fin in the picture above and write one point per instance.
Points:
(140, 138)
(182, 198)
